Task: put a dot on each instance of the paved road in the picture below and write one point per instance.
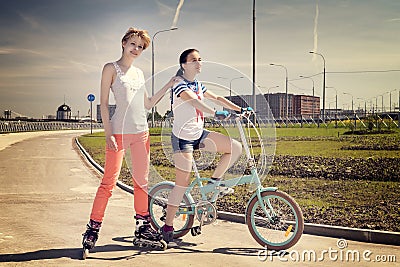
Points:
(45, 198)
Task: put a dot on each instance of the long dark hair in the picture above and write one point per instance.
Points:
(183, 59)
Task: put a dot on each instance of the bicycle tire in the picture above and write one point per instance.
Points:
(287, 226)
(158, 198)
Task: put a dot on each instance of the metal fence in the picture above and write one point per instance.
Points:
(31, 126)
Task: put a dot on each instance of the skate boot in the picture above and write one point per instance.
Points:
(90, 237)
(145, 235)
(167, 233)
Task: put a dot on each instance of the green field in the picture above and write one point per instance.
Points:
(343, 180)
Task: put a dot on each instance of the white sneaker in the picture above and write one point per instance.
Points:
(223, 190)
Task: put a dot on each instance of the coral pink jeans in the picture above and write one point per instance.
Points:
(139, 145)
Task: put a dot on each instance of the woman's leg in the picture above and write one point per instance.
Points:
(140, 156)
(183, 168)
(112, 169)
(231, 149)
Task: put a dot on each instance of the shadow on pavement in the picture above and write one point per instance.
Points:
(178, 246)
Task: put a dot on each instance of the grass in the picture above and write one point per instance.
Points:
(343, 202)
(299, 132)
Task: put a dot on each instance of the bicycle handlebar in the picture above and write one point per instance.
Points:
(246, 114)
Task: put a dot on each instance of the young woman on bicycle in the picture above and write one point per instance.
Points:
(188, 132)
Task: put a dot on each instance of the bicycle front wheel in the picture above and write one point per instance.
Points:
(158, 199)
(284, 227)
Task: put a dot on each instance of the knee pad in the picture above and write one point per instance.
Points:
(176, 195)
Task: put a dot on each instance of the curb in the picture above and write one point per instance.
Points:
(120, 184)
(355, 234)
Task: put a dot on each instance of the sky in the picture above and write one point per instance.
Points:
(53, 51)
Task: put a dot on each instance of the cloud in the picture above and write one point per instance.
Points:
(164, 9)
(5, 52)
(393, 20)
(31, 21)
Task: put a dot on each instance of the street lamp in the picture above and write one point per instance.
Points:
(254, 60)
(272, 87)
(313, 93)
(352, 108)
(230, 86)
(336, 107)
(153, 109)
(286, 89)
(390, 100)
(365, 105)
(352, 101)
(323, 86)
(398, 109)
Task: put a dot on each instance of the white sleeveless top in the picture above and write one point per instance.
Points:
(130, 113)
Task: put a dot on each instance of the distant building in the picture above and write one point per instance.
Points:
(305, 105)
(7, 114)
(49, 117)
(63, 112)
(245, 100)
(111, 110)
(298, 105)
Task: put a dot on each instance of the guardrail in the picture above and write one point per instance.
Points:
(33, 126)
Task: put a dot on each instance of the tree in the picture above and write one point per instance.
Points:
(157, 116)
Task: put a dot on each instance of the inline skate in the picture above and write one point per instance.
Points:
(146, 236)
(90, 237)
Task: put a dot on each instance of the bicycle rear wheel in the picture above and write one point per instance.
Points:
(286, 225)
(158, 199)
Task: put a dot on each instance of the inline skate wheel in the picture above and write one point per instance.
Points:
(163, 245)
(85, 253)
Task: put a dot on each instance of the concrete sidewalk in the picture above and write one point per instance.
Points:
(45, 203)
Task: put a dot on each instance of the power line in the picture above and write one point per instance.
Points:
(363, 71)
(348, 72)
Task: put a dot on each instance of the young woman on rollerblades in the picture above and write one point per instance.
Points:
(127, 129)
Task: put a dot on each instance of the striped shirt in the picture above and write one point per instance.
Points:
(188, 121)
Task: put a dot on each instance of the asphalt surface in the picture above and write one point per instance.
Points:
(46, 195)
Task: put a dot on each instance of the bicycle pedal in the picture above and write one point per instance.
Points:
(195, 231)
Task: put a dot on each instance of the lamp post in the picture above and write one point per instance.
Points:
(153, 109)
(272, 87)
(230, 85)
(313, 93)
(323, 85)
(365, 105)
(352, 108)
(390, 100)
(352, 101)
(398, 109)
(286, 90)
(336, 107)
(254, 60)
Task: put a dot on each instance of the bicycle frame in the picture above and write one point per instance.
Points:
(206, 189)
(273, 217)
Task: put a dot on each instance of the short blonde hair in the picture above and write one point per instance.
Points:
(143, 34)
